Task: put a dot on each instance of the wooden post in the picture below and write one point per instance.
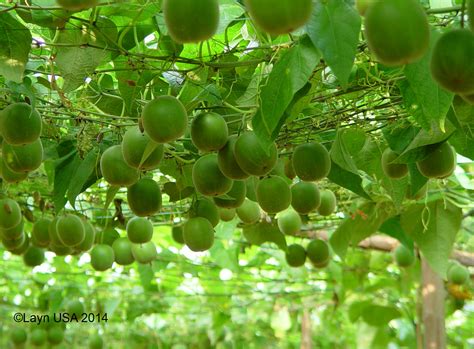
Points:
(433, 295)
(306, 341)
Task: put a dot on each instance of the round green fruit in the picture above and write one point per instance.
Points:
(89, 237)
(60, 250)
(10, 176)
(139, 230)
(391, 170)
(22, 248)
(115, 170)
(209, 132)
(451, 61)
(75, 307)
(38, 337)
(289, 222)
(107, 236)
(77, 5)
(273, 194)
(403, 256)
(305, 197)
(102, 257)
(123, 251)
(144, 253)
(397, 31)
(191, 20)
(318, 252)
(458, 274)
(10, 213)
(18, 336)
(439, 163)
(328, 203)
(23, 158)
(33, 256)
(226, 214)
(279, 17)
(70, 230)
(55, 335)
(252, 157)
(198, 234)
(295, 255)
(206, 209)
(20, 124)
(234, 197)
(289, 169)
(311, 162)
(227, 162)
(136, 145)
(177, 234)
(208, 178)
(164, 119)
(144, 197)
(96, 341)
(13, 232)
(12, 244)
(249, 212)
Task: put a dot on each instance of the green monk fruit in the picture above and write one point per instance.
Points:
(38, 337)
(392, 170)
(139, 230)
(191, 20)
(139, 151)
(328, 203)
(198, 234)
(403, 256)
(10, 176)
(20, 124)
(75, 307)
(205, 208)
(252, 157)
(55, 335)
(251, 184)
(289, 222)
(458, 274)
(209, 132)
(439, 163)
(144, 197)
(311, 162)
(18, 336)
(177, 234)
(226, 214)
(144, 253)
(89, 237)
(102, 257)
(295, 255)
(123, 251)
(249, 212)
(227, 162)
(10, 213)
(96, 342)
(33, 256)
(279, 17)
(208, 178)
(70, 230)
(115, 170)
(13, 232)
(397, 31)
(273, 194)
(23, 158)
(318, 252)
(305, 197)
(164, 119)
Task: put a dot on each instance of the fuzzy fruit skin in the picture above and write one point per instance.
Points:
(77, 5)
(234, 197)
(198, 234)
(102, 257)
(305, 197)
(75, 307)
(403, 256)
(279, 17)
(70, 230)
(227, 162)
(10, 213)
(10, 176)
(23, 158)
(208, 178)
(295, 255)
(439, 163)
(311, 162)
(209, 132)
(89, 237)
(164, 119)
(451, 62)
(289, 222)
(458, 274)
(205, 208)
(18, 336)
(144, 197)
(328, 203)
(123, 251)
(177, 234)
(318, 252)
(13, 233)
(139, 230)
(20, 124)
(226, 214)
(134, 145)
(273, 194)
(33, 256)
(38, 336)
(144, 253)
(115, 170)
(249, 212)
(40, 233)
(252, 157)
(397, 31)
(191, 20)
(394, 171)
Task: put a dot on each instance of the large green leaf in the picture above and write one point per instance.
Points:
(348, 143)
(15, 45)
(334, 28)
(84, 171)
(347, 180)
(433, 228)
(289, 75)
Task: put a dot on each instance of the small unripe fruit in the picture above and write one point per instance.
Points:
(295, 255)
(311, 162)
(391, 170)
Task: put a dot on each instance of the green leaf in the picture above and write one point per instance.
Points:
(225, 257)
(431, 102)
(84, 171)
(379, 315)
(436, 237)
(348, 180)
(348, 143)
(111, 192)
(15, 46)
(64, 169)
(393, 228)
(146, 277)
(334, 29)
(289, 75)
